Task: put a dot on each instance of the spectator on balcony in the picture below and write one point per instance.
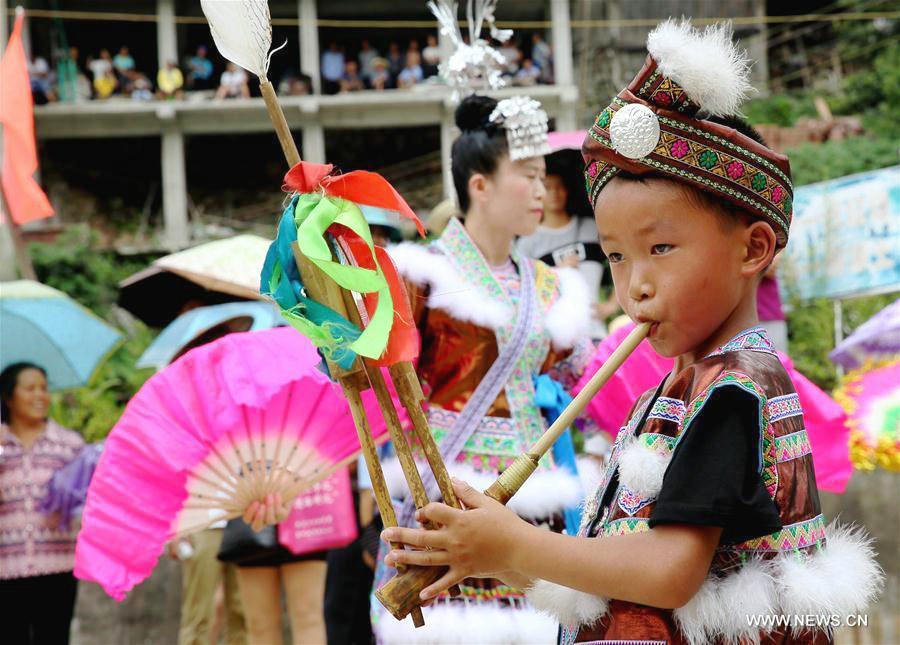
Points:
(39, 74)
(352, 80)
(367, 54)
(200, 71)
(513, 55)
(101, 68)
(123, 62)
(332, 68)
(431, 56)
(542, 56)
(105, 81)
(233, 83)
(137, 86)
(412, 73)
(528, 73)
(395, 60)
(381, 76)
(293, 84)
(169, 82)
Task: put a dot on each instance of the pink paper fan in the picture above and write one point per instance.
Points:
(645, 369)
(227, 423)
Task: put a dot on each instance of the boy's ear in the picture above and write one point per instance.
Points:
(759, 248)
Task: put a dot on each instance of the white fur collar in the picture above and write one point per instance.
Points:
(567, 321)
(450, 291)
(569, 318)
(545, 493)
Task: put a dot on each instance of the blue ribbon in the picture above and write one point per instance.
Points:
(280, 279)
(552, 397)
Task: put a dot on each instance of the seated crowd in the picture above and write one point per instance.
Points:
(103, 75)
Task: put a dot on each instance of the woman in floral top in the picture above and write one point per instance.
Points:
(37, 588)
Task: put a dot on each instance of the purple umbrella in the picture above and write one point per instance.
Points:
(68, 486)
(877, 338)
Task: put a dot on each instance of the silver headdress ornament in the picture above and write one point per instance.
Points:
(475, 61)
(525, 123)
(479, 63)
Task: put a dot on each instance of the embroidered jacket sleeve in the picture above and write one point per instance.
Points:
(714, 478)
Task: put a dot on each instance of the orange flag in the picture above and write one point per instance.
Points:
(24, 196)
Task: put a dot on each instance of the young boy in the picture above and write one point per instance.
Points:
(707, 526)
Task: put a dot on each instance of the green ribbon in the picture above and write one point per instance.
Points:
(313, 214)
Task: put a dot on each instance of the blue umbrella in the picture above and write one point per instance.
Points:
(44, 326)
(192, 324)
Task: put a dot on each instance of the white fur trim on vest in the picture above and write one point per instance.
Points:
(569, 318)
(449, 291)
(641, 469)
(545, 493)
(472, 623)
(841, 580)
(569, 606)
(721, 605)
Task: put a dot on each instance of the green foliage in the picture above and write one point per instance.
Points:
(811, 329)
(812, 162)
(780, 109)
(77, 265)
(875, 94)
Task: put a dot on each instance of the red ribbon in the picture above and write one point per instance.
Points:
(359, 186)
(403, 342)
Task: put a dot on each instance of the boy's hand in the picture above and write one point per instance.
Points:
(476, 542)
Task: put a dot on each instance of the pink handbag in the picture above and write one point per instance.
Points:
(323, 517)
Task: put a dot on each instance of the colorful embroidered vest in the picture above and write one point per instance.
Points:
(765, 566)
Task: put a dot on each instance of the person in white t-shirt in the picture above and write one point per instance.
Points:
(233, 83)
(567, 235)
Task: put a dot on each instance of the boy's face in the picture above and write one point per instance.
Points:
(673, 263)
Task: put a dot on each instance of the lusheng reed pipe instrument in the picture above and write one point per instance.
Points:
(400, 595)
(242, 32)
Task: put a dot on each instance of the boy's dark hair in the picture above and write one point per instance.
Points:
(730, 212)
(480, 146)
(8, 380)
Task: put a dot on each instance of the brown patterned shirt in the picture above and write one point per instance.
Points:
(29, 544)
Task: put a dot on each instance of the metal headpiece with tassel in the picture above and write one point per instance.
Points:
(479, 63)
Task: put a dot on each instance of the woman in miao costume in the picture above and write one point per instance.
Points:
(490, 320)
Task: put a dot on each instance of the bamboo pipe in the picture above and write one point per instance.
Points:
(317, 284)
(400, 594)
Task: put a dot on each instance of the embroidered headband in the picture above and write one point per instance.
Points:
(657, 125)
(526, 124)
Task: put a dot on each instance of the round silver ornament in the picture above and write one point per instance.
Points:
(634, 131)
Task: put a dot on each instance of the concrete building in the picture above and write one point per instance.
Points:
(605, 56)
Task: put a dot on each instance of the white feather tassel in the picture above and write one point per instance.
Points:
(707, 64)
(242, 31)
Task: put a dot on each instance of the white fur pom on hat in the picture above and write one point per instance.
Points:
(707, 64)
